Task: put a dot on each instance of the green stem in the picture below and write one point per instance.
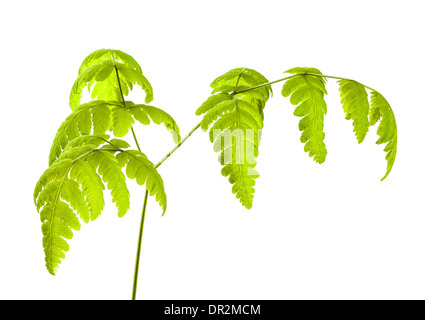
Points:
(265, 84)
(135, 139)
(122, 98)
(118, 77)
(178, 145)
(339, 78)
(139, 247)
(142, 222)
(306, 74)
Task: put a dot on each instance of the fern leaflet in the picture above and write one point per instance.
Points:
(356, 106)
(236, 120)
(307, 93)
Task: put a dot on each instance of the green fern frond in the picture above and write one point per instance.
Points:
(98, 117)
(307, 93)
(236, 120)
(356, 106)
(72, 188)
(98, 74)
(387, 130)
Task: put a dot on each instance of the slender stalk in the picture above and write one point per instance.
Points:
(339, 78)
(118, 77)
(266, 84)
(122, 98)
(142, 222)
(139, 246)
(135, 139)
(178, 145)
(306, 74)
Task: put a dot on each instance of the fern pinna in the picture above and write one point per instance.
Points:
(238, 120)
(84, 157)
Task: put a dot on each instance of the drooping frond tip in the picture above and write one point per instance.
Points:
(354, 99)
(387, 129)
(235, 121)
(307, 89)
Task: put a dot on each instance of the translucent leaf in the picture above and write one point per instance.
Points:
(234, 122)
(307, 93)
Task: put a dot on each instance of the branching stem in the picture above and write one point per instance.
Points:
(145, 201)
(136, 271)
(178, 145)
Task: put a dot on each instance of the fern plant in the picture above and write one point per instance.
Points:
(83, 158)
(87, 155)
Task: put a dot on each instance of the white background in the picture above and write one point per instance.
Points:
(330, 231)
